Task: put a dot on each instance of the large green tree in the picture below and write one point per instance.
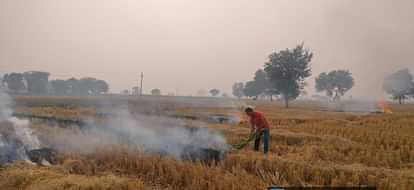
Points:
(335, 83)
(399, 85)
(287, 71)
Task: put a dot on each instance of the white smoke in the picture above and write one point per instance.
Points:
(16, 138)
(24, 133)
(150, 134)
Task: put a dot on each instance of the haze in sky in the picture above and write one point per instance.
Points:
(186, 45)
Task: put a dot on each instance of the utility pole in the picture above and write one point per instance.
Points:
(142, 79)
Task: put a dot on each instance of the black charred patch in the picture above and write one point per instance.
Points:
(205, 155)
(38, 156)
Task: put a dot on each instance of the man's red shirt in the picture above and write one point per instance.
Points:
(258, 120)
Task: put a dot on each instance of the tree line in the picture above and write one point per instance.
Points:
(284, 76)
(38, 83)
(285, 72)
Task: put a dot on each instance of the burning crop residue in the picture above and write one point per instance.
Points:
(385, 108)
(362, 106)
(148, 134)
(169, 136)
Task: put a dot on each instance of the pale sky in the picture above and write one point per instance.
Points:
(186, 45)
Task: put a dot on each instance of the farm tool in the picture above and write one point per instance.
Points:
(245, 142)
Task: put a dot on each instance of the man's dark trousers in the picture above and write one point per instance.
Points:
(266, 135)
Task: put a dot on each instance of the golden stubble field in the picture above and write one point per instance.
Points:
(308, 148)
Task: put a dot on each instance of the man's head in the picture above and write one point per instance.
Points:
(249, 111)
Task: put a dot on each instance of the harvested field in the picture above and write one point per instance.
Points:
(310, 146)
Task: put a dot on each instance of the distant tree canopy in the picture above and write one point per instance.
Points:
(14, 82)
(156, 92)
(92, 86)
(214, 92)
(399, 85)
(335, 83)
(59, 87)
(287, 71)
(38, 83)
(86, 86)
(238, 89)
(258, 85)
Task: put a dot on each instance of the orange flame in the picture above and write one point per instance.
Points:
(384, 106)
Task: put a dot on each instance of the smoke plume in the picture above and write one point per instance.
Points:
(149, 134)
(16, 138)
